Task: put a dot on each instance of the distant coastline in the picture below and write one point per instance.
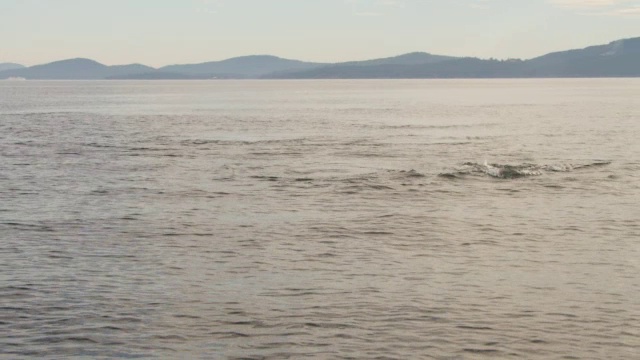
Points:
(619, 58)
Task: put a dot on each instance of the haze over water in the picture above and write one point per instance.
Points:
(320, 219)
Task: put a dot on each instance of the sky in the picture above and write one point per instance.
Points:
(163, 32)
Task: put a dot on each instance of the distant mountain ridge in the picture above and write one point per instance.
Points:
(244, 66)
(414, 58)
(619, 58)
(10, 66)
(74, 69)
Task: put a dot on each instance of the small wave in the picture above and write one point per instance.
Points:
(480, 351)
(449, 175)
(506, 171)
(264, 177)
(411, 174)
(439, 127)
(28, 227)
(244, 142)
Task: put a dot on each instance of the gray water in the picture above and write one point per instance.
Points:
(456, 219)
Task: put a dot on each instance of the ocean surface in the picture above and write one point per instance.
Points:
(439, 219)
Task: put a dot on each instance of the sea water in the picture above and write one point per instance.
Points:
(444, 219)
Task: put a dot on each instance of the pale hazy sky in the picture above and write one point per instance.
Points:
(161, 32)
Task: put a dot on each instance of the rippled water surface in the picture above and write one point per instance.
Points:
(323, 219)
